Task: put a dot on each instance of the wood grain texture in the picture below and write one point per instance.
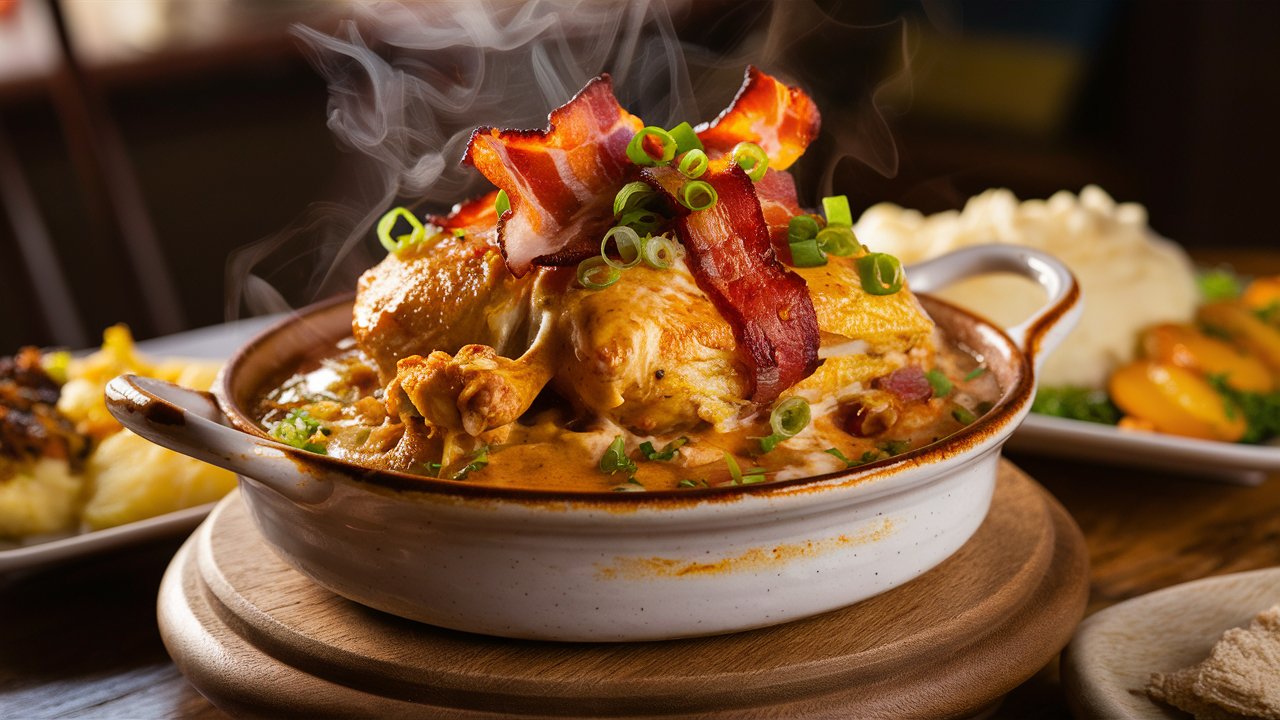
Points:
(258, 638)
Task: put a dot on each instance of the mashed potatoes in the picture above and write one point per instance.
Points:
(1130, 277)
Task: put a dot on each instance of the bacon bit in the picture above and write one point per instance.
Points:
(782, 120)
(561, 180)
(869, 415)
(732, 261)
(908, 383)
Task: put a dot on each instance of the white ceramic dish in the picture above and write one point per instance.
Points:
(1078, 440)
(214, 343)
(602, 566)
(1113, 653)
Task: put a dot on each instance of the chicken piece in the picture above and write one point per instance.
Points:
(438, 297)
(31, 427)
(477, 390)
(864, 336)
(650, 352)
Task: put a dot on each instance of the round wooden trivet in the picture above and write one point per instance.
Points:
(258, 638)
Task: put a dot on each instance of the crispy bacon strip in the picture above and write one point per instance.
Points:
(473, 216)
(777, 194)
(768, 306)
(782, 120)
(561, 181)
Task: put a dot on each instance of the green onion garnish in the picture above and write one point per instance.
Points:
(894, 447)
(694, 163)
(638, 149)
(668, 452)
(431, 469)
(838, 241)
(642, 221)
(751, 158)
(836, 209)
(698, 195)
(801, 228)
(627, 243)
(975, 373)
(962, 415)
(658, 252)
(806, 253)
(941, 384)
(867, 457)
(753, 475)
(790, 416)
(479, 459)
(881, 273)
(297, 428)
(502, 203)
(692, 483)
(615, 458)
(399, 243)
(632, 196)
(686, 138)
(56, 365)
(596, 274)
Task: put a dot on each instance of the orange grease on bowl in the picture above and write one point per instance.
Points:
(645, 568)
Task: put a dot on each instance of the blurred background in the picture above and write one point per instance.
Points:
(146, 143)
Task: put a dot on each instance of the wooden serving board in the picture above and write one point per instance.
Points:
(257, 638)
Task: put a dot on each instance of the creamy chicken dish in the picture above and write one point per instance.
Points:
(634, 308)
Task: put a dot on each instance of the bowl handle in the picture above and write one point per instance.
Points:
(1039, 334)
(190, 422)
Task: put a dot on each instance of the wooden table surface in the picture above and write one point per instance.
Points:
(80, 640)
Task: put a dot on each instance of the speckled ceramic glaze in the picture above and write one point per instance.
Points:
(556, 565)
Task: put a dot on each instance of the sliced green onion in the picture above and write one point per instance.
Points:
(692, 483)
(694, 163)
(686, 138)
(399, 243)
(56, 365)
(881, 273)
(615, 458)
(296, 430)
(840, 456)
(836, 208)
(595, 274)
(753, 475)
(638, 151)
(806, 253)
(632, 196)
(627, 243)
(894, 447)
(975, 373)
(963, 415)
(658, 252)
(868, 456)
(502, 203)
(941, 384)
(642, 221)
(668, 452)
(801, 228)
(751, 158)
(479, 459)
(698, 195)
(769, 442)
(838, 241)
(790, 416)
(459, 232)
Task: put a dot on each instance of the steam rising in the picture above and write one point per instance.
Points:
(409, 82)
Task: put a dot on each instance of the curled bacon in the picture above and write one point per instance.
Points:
(777, 194)
(473, 216)
(782, 120)
(768, 306)
(560, 181)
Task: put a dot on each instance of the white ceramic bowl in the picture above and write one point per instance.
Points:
(554, 565)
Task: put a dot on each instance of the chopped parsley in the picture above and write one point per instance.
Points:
(615, 459)
(479, 459)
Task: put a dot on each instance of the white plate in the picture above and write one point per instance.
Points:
(1113, 653)
(1078, 440)
(215, 343)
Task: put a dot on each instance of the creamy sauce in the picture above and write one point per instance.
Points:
(551, 448)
